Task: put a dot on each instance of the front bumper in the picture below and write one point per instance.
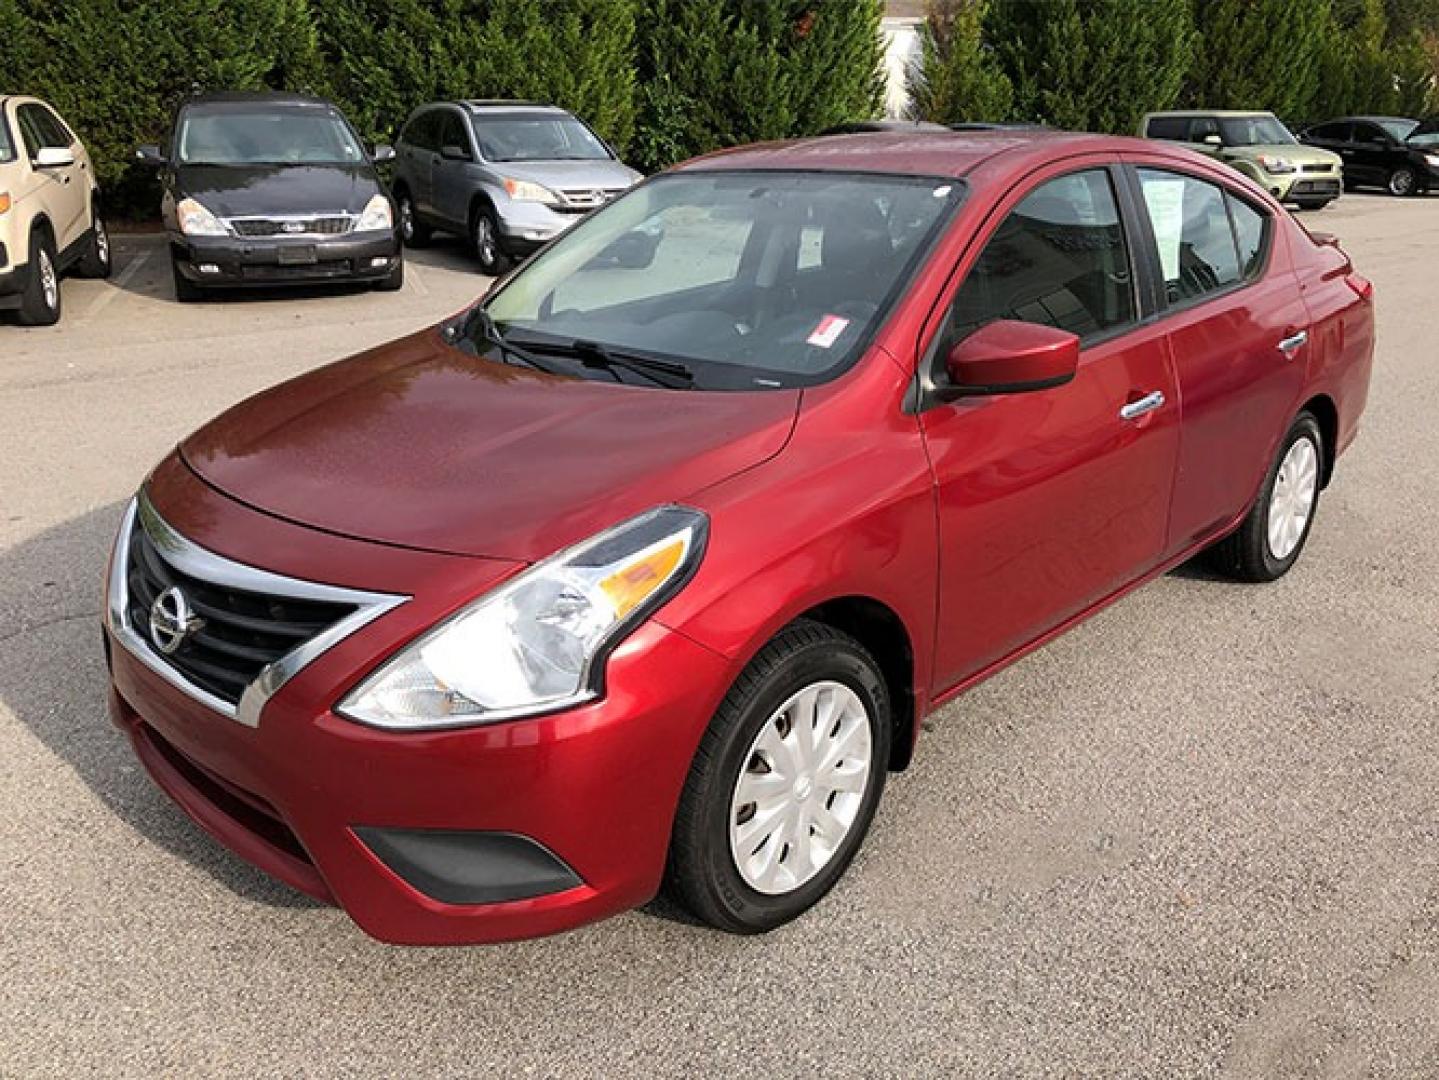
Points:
(527, 226)
(1305, 186)
(401, 830)
(13, 280)
(232, 261)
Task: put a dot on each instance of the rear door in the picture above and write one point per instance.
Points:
(1051, 500)
(1237, 330)
(63, 190)
(417, 151)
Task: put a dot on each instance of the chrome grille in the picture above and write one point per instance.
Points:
(239, 633)
(582, 200)
(331, 225)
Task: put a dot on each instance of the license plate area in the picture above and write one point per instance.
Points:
(299, 255)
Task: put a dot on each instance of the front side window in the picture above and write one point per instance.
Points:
(1254, 131)
(1060, 258)
(751, 279)
(452, 132)
(252, 134)
(1201, 250)
(7, 145)
(40, 129)
(537, 137)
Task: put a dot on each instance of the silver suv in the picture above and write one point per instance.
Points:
(507, 175)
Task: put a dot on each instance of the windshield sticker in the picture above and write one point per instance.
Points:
(1165, 201)
(827, 332)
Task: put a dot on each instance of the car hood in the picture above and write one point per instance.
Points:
(1298, 153)
(570, 175)
(262, 190)
(422, 445)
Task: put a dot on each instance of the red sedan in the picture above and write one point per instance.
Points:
(643, 571)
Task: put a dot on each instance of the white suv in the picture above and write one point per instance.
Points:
(49, 210)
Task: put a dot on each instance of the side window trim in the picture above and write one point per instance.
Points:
(1165, 308)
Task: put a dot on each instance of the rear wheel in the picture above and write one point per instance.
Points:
(1403, 181)
(1269, 540)
(784, 784)
(40, 302)
(485, 239)
(95, 263)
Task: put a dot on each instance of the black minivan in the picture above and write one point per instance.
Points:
(269, 188)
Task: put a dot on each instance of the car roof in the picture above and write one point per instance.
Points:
(1221, 113)
(1376, 119)
(915, 153)
(266, 97)
(503, 104)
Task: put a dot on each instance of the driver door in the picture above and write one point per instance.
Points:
(1051, 500)
(63, 189)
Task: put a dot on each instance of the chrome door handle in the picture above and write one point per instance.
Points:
(1290, 345)
(1147, 404)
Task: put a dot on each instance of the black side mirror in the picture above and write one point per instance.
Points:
(450, 152)
(149, 154)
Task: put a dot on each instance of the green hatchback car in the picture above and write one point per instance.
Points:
(1260, 147)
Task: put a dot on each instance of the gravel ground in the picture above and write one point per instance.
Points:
(1198, 836)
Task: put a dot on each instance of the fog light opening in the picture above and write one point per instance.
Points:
(208, 268)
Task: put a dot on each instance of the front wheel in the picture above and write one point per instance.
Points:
(784, 784)
(485, 239)
(413, 231)
(1402, 181)
(1269, 540)
(40, 301)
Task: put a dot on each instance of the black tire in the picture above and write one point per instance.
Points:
(413, 231)
(40, 302)
(1246, 554)
(1312, 204)
(1403, 181)
(394, 281)
(186, 291)
(485, 242)
(97, 261)
(701, 873)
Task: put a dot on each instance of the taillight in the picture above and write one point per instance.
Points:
(1362, 286)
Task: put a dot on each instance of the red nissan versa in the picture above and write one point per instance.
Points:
(644, 570)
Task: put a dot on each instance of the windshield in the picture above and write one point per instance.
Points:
(1400, 129)
(265, 135)
(537, 137)
(750, 279)
(1254, 131)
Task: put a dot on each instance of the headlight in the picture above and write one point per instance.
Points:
(1276, 164)
(536, 643)
(1433, 160)
(376, 215)
(529, 191)
(195, 220)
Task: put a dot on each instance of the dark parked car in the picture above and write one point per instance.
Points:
(264, 189)
(1381, 151)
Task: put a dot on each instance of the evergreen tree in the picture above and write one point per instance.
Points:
(1261, 54)
(1095, 65)
(959, 77)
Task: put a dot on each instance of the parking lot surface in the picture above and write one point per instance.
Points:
(1197, 836)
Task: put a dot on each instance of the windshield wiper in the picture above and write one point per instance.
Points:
(667, 373)
(482, 319)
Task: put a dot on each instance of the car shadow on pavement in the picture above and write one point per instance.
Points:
(53, 679)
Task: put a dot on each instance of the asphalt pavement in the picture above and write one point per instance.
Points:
(1197, 836)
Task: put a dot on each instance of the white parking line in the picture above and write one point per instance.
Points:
(115, 287)
(412, 280)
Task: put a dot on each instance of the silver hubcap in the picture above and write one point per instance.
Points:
(801, 788)
(49, 286)
(1292, 501)
(407, 220)
(484, 240)
(102, 241)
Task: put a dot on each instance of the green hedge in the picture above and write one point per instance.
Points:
(660, 79)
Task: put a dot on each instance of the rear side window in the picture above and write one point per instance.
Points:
(1168, 127)
(1059, 259)
(1207, 239)
(1332, 132)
